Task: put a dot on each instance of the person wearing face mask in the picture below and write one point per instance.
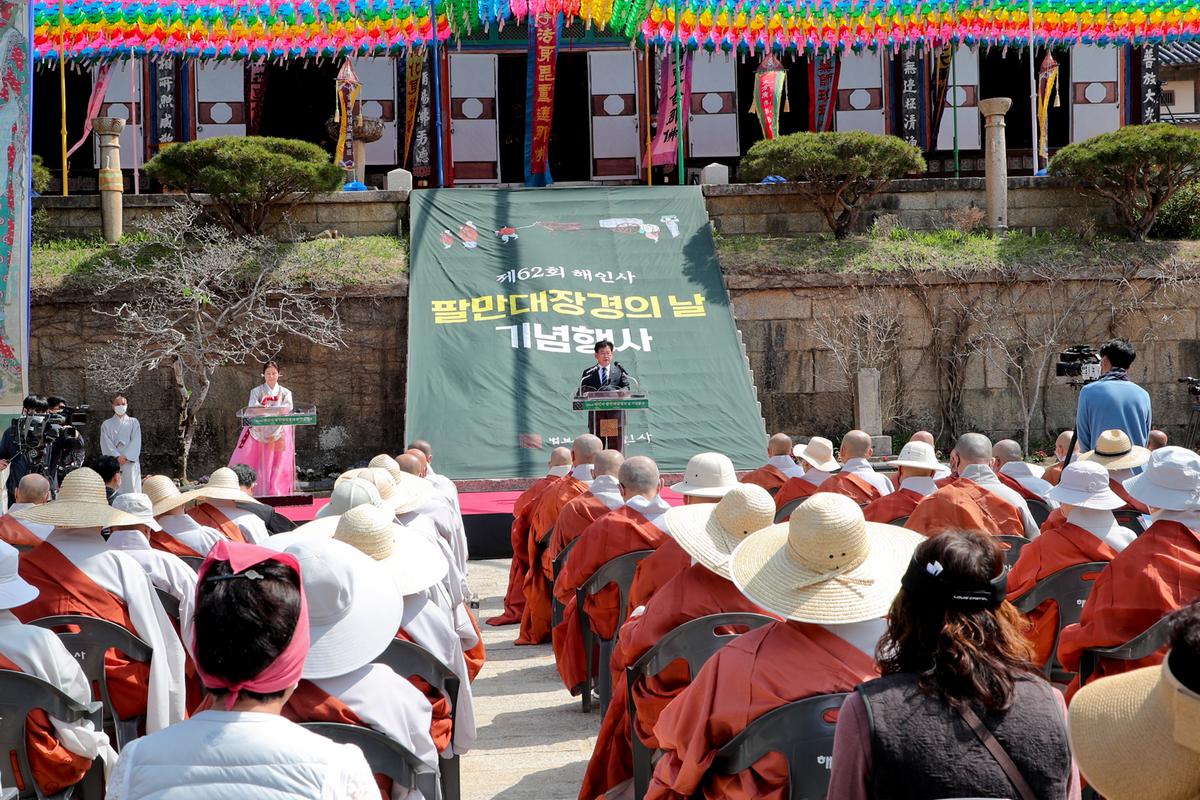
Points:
(121, 437)
(269, 450)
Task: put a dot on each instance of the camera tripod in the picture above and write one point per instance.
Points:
(1191, 434)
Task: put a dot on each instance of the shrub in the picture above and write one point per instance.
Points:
(40, 177)
(1179, 217)
(839, 171)
(247, 177)
(1137, 169)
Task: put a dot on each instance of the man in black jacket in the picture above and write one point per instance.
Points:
(605, 373)
(275, 522)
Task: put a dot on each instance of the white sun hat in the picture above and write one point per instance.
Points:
(165, 495)
(707, 475)
(1114, 450)
(827, 565)
(140, 506)
(384, 461)
(14, 590)
(710, 532)
(354, 607)
(348, 494)
(400, 497)
(1085, 484)
(1170, 481)
(819, 453)
(415, 563)
(81, 503)
(223, 485)
(917, 455)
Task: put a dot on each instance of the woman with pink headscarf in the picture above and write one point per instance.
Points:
(250, 638)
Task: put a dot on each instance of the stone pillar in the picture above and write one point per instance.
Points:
(868, 410)
(995, 161)
(112, 183)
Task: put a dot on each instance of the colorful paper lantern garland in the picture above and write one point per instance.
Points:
(96, 30)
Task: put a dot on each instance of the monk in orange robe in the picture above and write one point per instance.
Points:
(514, 596)
(915, 467)
(1061, 445)
(961, 505)
(32, 490)
(818, 455)
(602, 496)
(779, 468)
(798, 487)
(635, 526)
(851, 486)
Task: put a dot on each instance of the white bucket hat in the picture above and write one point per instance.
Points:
(81, 503)
(827, 565)
(1085, 484)
(1171, 480)
(415, 563)
(710, 532)
(1115, 451)
(707, 475)
(354, 607)
(819, 453)
(165, 495)
(140, 506)
(223, 485)
(348, 494)
(14, 590)
(917, 455)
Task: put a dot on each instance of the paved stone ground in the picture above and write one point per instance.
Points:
(534, 742)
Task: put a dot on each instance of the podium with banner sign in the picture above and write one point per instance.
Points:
(606, 413)
(264, 416)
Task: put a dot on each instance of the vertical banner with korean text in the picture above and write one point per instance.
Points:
(672, 124)
(539, 100)
(16, 76)
(509, 292)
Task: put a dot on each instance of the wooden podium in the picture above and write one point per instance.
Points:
(606, 413)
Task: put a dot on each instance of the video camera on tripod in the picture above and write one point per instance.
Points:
(50, 442)
(1081, 362)
(1191, 435)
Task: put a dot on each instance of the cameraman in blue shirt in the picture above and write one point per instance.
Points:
(1113, 402)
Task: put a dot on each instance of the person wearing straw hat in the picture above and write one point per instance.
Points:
(250, 641)
(1122, 458)
(831, 576)
(1085, 532)
(780, 466)
(709, 534)
(953, 657)
(57, 760)
(1061, 445)
(434, 506)
(221, 496)
(33, 490)
(418, 571)
(818, 455)
(167, 572)
(1159, 572)
(182, 535)
(78, 573)
(1008, 462)
(354, 610)
(916, 465)
(1138, 734)
(708, 478)
(602, 496)
(535, 619)
(638, 525)
(514, 595)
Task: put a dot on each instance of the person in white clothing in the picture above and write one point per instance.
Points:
(166, 571)
(33, 490)
(121, 436)
(1009, 460)
(1084, 494)
(779, 456)
(169, 507)
(440, 511)
(243, 747)
(443, 484)
(854, 453)
(223, 492)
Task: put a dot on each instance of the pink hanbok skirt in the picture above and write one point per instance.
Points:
(274, 461)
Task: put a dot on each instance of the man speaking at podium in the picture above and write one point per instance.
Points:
(605, 375)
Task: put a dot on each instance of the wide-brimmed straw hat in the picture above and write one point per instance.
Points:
(384, 461)
(1115, 451)
(223, 485)
(1138, 735)
(819, 453)
(917, 455)
(14, 590)
(165, 495)
(1085, 484)
(398, 497)
(710, 532)
(81, 503)
(826, 566)
(354, 606)
(415, 563)
(1171, 480)
(707, 475)
(140, 506)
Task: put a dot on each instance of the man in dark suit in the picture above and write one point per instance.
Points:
(605, 375)
(275, 522)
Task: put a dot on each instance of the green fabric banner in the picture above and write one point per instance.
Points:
(509, 292)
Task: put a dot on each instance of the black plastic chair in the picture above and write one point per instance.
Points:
(193, 561)
(19, 695)
(785, 513)
(620, 571)
(1015, 543)
(1069, 589)
(170, 604)
(560, 561)
(899, 521)
(695, 642)
(88, 644)
(409, 658)
(1130, 519)
(1039, 510)
(774, 491)
(385, 756)
(798, 731)
(1146, 643)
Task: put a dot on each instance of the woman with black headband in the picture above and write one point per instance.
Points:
(960, 711)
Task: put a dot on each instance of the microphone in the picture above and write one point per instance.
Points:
(628, 374)
(584, 377)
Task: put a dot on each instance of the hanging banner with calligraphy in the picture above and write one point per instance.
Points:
(16, 130)
(671, 123)
(422, 149)
(1046, 84)
(166, 100)
(414, 68)
(348, 114)
(940, 68)
(770, 82)
(539, 97)
(1150, 94)
(256, 75)
(822, 91)
(910, 99)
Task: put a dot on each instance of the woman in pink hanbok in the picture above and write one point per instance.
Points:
(269, 450)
